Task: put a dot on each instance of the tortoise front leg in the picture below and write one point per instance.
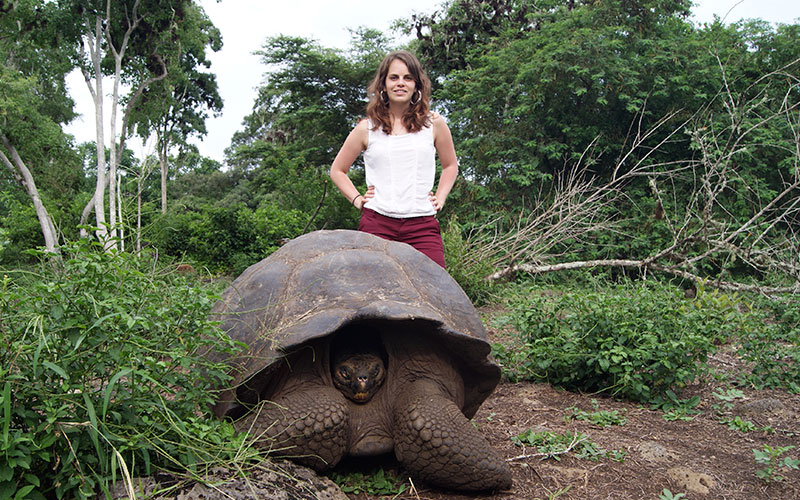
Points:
(308, 426)
(436, 443)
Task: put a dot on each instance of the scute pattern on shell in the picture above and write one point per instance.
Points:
(323, 280)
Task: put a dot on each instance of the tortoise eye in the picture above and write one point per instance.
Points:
(343, 373)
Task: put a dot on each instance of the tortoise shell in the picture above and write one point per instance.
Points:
(322, 281)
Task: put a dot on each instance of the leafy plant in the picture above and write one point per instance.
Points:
(468, 272)
(773, 350)
(631, 340)
(675, 408)
(551, 445)
(103, 373)
(729, 394)
(737, 423)
(600, 418)
(668, 495)
(771, 457)
(377, 482)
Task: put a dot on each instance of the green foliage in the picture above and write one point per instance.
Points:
(773, 348)
(737, 423)
(225, 238)
(675, 408)
(375, 483)
(668, 495)
(311, 99)
(470, 273)
(601, 418)
(552, 445)
(632, 340)
(103, 371)
(531, 87)
(771, 457)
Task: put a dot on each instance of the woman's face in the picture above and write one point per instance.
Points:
(400, 83)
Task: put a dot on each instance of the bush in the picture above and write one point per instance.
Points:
(227, 239)
(632, 340)
(773, 349)
(466, 271)
(102, 375)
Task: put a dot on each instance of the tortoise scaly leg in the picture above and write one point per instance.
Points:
(308, 426)
(437, 444)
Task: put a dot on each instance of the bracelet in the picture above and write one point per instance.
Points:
(354, 198)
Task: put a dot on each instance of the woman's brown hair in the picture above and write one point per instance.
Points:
(418, 114)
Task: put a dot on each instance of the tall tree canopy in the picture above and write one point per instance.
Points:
(545, 80)
(311, 98)
(176, 107)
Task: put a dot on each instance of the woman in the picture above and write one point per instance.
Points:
(400, 138)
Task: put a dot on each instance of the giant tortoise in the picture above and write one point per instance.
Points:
(361, 346)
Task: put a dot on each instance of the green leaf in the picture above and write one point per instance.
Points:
(94, 428)
(57, 369)
(110, 388)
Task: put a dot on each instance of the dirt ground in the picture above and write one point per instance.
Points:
(702, 458)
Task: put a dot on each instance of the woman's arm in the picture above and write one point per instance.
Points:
(443, 141)
(355, 143)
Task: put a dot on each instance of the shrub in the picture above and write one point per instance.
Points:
(773, 349)
(632, 340)
(225, 238)
(102, 375)
(468, 272)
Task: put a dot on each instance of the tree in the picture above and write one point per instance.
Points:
(132, 41)
(559, 77)
(34, 58)
(311, 99)
(707, 236)
(176, 107)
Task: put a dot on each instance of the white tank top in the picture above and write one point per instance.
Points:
(402, 169)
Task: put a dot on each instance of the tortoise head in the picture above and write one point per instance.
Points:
(358, 362)
(359, 376)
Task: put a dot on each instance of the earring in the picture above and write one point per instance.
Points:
(419, 96)
(384, 98)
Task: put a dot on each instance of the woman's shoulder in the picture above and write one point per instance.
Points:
(437, 120)
(360, 133)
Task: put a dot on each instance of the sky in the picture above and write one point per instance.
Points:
(246, 24)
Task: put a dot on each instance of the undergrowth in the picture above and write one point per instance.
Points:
(639, 340)
(102, 376)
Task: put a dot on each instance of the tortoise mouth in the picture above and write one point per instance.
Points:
(361, 397)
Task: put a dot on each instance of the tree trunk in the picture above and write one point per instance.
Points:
(164, 163)
(139, 217)
(96, 91)
(24, 177)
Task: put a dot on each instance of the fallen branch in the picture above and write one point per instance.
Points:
(576, 440)
(644, 266)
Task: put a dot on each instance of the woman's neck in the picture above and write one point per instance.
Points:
(396, 113)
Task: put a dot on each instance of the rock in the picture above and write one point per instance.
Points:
(278, 480)
(694, 482)
(760, 406)
(655, 452)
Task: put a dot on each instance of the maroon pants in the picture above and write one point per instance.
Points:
(422, 233)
